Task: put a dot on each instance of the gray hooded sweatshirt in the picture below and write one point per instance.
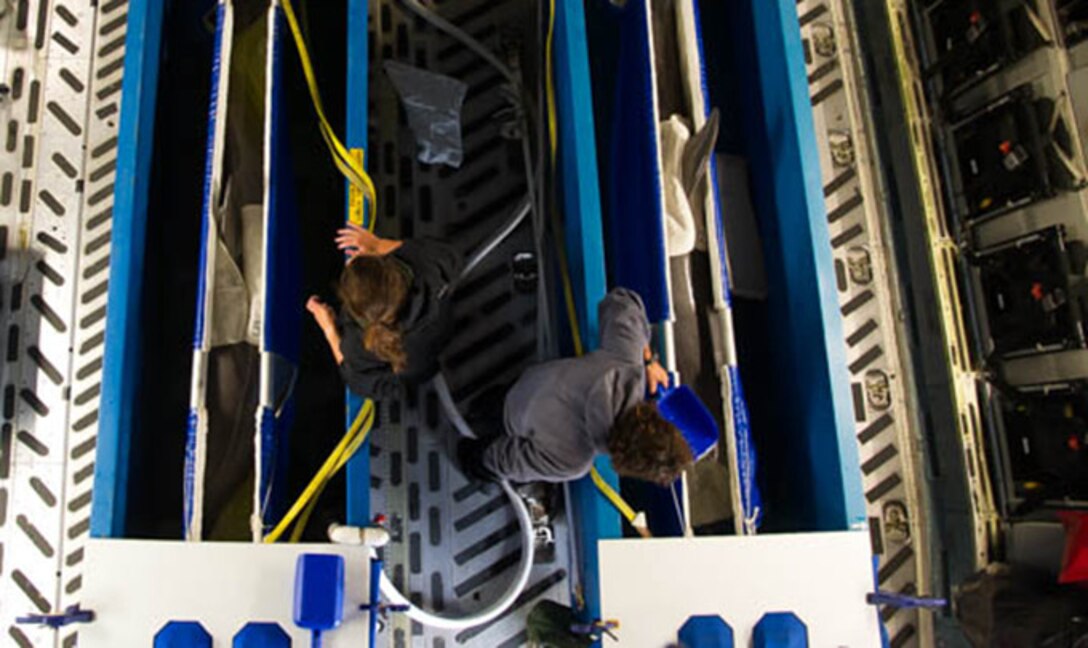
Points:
(558, 414)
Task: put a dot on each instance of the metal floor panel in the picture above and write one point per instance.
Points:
(455, 546)
(869, 300)
(943, 252)
(62, 61)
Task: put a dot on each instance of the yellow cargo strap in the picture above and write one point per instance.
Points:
(637, 520)
(344, 450)
(350, 163)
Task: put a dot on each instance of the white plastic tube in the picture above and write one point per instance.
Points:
(442, 388)
(525, 563)
(372, 536)
(466, 40)
(491, 612)
(525, 523)
(489, 246)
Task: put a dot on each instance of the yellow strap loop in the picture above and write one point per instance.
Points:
(341, 461)
(349, 165)
(351, 441)
(612, 496)
(636, 520)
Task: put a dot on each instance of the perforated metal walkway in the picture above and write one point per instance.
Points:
(60, 63)
(871, 306)
(456, 546)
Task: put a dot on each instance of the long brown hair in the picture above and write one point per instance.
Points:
(373, 290)
(645, 446)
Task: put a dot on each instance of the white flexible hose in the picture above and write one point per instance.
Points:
(442, 388)
(491, 612)
(525, 563)
(468, 41)
(489, 246)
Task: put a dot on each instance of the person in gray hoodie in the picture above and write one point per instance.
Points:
(560, 415)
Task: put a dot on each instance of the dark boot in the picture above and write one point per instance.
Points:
(470, 454)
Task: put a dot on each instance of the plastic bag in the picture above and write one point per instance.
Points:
(433, 105)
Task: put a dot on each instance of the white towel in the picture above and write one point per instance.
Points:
(680, 220)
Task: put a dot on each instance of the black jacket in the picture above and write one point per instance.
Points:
(425, 321)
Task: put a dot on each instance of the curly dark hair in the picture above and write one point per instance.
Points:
(645, 446)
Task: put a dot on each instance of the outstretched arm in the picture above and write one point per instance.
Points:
(355, 241)
(625, 330)
(325, 318)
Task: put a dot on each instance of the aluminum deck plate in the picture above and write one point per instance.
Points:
(455, 545)
(61, 62)
(888, 437)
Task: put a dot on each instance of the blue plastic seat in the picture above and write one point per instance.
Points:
(780, 630)
(261, 635)
(710, 631)
(183, 634)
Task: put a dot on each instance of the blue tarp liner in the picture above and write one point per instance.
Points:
(216, 114)
(246, 340)
(788, 346)
(283, 315)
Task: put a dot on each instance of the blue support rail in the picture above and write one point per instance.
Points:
(595, 518)
(121, 373)
(358, 468)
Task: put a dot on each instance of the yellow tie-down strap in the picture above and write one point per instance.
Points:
(637, 520)
(352, 440)
(349, 163)
(356, 196)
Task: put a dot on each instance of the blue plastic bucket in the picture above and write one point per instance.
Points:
(681, 407)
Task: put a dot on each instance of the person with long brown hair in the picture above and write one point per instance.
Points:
(395, 316)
